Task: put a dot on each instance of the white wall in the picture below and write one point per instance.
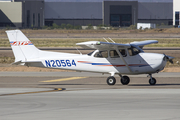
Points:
(176, 7)
(11, 11)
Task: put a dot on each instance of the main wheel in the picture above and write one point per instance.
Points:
(152, 82)
(125, 80)
(111, 80)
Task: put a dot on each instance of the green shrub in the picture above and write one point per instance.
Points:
(69, 26)
(89, 26)
(55, 26)
(63, 26)
(132, 27)
(77, 27)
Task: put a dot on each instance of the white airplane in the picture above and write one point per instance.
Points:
(112, 58)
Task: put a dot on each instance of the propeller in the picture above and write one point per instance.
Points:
(169, 58)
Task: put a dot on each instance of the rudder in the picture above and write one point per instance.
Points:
(22, 47)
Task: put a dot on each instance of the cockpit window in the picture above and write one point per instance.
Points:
(101, 54)
(113, 54)
(133, 51)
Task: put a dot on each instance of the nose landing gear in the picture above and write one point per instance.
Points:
(152, 81)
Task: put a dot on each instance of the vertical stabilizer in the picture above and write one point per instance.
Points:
(22, 47)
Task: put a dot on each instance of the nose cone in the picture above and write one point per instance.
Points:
(156, 61)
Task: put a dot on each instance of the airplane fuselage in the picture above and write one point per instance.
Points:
(142, 63)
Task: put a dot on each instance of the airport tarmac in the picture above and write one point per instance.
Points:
(85, 80)
(83, 95)
(104, 104)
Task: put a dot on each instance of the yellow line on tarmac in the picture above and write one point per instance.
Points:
(64, 79)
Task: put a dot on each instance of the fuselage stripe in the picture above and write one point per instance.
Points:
(108, 64)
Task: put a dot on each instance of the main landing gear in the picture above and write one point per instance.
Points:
(112, 80)
(125, 80)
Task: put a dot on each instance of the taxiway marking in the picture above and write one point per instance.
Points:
(64, 79)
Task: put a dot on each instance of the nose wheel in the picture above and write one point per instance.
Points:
(152, 81)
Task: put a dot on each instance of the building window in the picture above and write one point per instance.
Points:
(28, 18)
(38, 19)
(115, 20)
(120, 20)
(177, 18)
(126, 20)
(33, 19)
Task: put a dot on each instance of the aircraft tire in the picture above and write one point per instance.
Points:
(125, 80)
(111, 80)
(152, 82)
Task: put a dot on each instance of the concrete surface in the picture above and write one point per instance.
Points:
(24, 96)
(80, 74)
(111, 104)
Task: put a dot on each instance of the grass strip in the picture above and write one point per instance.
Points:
(71, 42)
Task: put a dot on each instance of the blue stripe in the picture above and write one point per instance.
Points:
(116, 64)
(100, 64)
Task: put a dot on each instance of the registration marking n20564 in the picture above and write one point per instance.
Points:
(60, 63)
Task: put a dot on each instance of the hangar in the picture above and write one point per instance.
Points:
(22, 13)
(37, 13)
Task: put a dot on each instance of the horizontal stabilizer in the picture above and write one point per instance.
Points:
(23, 62)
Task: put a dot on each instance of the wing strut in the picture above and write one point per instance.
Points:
(123, 59)
(105, 39)
(111, 40)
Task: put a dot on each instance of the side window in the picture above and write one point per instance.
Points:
(113, 54)
(101, 54)
(133, 51)
(130, 52)
(123, 52)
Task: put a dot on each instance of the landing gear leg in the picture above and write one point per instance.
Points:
(152, 81)
(124, 80)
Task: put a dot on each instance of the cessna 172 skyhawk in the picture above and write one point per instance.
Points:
(112, 58)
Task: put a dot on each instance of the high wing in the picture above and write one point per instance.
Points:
(106, 45)
(102, 45)
(142, 43)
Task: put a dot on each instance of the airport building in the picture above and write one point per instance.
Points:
(37, 13)
(22, 13)
(176, 12)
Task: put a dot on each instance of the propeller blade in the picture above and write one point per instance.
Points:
(169, 58)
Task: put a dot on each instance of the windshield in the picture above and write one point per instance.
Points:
(101, 54)
(89, 54)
